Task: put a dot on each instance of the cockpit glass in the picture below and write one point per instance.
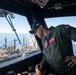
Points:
(16, 43)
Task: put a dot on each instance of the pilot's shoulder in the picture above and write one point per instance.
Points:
(63, 26)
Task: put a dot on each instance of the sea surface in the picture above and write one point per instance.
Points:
(10, 38)
(74, 49)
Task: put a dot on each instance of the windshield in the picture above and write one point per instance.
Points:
(11, 50)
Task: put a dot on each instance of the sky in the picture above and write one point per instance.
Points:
(22, 26)
(20, 23)
(71, 20)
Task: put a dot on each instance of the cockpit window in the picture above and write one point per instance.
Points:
(13, 30)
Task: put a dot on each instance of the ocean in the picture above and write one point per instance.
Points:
(10, 38)
(74, 49)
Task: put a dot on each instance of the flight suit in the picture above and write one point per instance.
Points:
(56, 46)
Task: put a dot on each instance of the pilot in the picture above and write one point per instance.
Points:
(57, 49)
